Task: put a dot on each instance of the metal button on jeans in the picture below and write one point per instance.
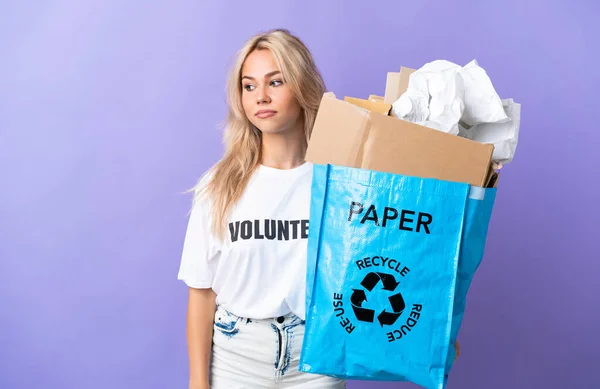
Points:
(280, 319)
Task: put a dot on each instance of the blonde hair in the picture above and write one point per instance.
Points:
(227, 179)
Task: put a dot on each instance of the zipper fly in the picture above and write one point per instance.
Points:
(281, 350)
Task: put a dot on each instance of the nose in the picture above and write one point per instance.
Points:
(262, 97)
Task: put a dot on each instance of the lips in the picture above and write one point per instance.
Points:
(265, 113)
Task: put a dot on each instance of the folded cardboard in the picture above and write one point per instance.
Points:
(396, 84)
(374, 106)
(376, 98)
(350, 135)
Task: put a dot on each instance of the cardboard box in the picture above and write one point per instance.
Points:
(360, 133)
(373, 106)
(396, 84)
(376, 98)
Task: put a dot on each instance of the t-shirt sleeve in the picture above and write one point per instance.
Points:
(200, 250)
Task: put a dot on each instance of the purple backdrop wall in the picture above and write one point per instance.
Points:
(109, 110)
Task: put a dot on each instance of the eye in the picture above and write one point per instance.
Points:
(276, 82)
(249, 87)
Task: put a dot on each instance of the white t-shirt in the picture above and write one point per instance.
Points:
(259, 270)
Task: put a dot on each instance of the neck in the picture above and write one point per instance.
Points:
(285, 150)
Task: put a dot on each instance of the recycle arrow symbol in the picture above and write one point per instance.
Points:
(358, 296)
(371, 280)
(389, 282)
(362, 314)
(398, 305)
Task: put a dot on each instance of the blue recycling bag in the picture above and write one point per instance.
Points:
(390, 262)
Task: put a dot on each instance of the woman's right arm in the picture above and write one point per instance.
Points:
(200, 319)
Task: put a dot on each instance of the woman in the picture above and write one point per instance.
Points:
(244, 254)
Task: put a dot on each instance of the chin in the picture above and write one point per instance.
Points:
(277, 126)
(271, 128)
(268, 130)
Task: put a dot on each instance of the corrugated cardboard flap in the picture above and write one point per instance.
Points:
(401, 147)
(373, 106)
(396, 84)
(338, 133)
(347, 135)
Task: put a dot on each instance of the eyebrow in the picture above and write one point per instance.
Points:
(270, 74)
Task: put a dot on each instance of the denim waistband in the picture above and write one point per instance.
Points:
(285, 320)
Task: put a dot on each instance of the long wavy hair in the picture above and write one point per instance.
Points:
(227, 179)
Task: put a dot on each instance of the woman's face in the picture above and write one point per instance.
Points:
(267, 99)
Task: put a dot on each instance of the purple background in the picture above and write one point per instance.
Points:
(109, 110)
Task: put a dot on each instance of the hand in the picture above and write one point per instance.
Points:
(456, 349)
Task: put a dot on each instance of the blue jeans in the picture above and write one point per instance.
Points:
(261, 354)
